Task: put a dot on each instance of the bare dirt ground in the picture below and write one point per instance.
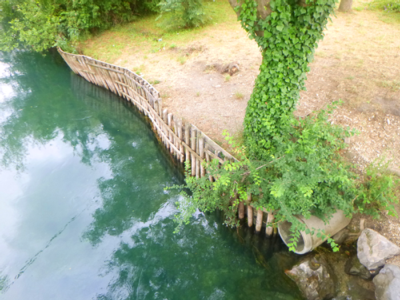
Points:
(358, 62)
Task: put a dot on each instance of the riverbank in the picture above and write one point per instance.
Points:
(356, 62)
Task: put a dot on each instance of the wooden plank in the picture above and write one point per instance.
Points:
(104, 68)
(191, 151)
(214, 156)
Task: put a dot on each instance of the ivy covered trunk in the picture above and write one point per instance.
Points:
(345, 5)
(287, 32)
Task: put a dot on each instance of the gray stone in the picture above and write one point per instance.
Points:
(373, 249)
(355, 268)
(313, 278)
(341, 236)
(387, 283)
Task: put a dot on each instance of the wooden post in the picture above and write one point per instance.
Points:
(179, 125)
(193, 146)
(201, 153)
(250, 216)
(187, 142)
(159, 106)
(269, 230)
(208, 160)
(249, 211)
(259, 220)
(171, 138)
(165, 119)
(241, 210)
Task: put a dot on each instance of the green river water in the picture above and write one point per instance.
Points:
(83, 210)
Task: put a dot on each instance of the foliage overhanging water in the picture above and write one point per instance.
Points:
(83, 211)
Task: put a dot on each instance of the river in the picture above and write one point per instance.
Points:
(84, 213)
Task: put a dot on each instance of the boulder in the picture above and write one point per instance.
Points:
(387, 283)
(373, 249)
(313, 278)
(355, 268)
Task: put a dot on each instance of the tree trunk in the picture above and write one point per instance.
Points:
(345, 5)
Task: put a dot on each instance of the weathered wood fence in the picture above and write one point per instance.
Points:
(184, 140)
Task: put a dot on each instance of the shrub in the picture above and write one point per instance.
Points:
(183, 13)
(378, 190)
(304, 175)
(47, 23)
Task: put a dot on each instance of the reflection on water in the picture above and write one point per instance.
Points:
(83, 210)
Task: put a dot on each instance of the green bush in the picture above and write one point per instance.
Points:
(378, 191)
(387, 5)
(183, 13)
(42, 24)
(304, 175)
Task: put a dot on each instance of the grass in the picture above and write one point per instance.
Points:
(392, 85)
(182, 59)
(239, 96)
(154, 82)
(165, 95)
(139, 70)
(227, 77)
(388, 10)
(146, 35)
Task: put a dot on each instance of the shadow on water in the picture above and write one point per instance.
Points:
(134, 214)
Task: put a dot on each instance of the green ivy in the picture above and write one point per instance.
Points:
(287, 39)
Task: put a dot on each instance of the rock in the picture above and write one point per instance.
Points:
(313, 278)
(341, 236)
(387, 283)
(373, 249)
(355, 268)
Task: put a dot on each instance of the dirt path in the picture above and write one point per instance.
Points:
(358, 61)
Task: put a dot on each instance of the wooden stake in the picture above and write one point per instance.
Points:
(201, 153)
(241, 210)
(249, 210)
(187, 141)
(259, 220)
(171, 138)
(269, 230)
(208, 160)
(179, 125)
(250, 216)
(165, 119)
(193, 146)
